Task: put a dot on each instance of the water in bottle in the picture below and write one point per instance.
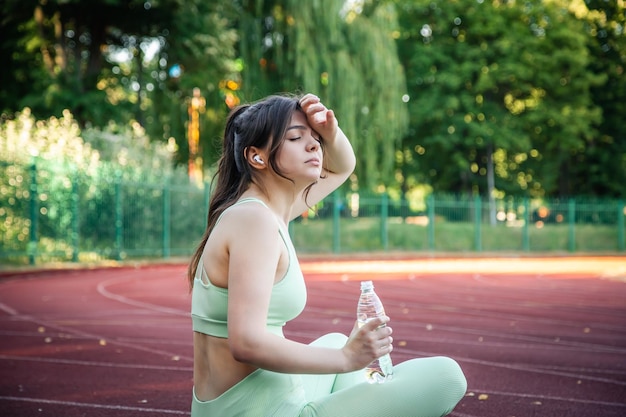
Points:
(370, 307)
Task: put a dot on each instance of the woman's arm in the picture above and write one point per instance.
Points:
(255, 250)
(339, 158)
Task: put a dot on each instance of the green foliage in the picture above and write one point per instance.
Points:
(201, 42)
(503, 76)
(346, 57)
(477, 97)
(110, 60)
(601, 168)
(123, 149)
(70, 40)
(50, 170)
(23, 139)
(23, 142)
(564, 121)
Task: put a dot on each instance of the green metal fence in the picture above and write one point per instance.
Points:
(464, 224)
(52, 213)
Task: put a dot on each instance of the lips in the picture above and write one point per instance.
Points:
(313, 161)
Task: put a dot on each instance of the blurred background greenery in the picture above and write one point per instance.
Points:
(496, 99)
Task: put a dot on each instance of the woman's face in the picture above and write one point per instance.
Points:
(300, 155)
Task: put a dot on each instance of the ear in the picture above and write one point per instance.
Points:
(255, 157)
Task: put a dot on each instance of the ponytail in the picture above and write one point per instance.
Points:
(262, 125)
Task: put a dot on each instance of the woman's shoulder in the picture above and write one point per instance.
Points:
(249, 228)
(249, 215)
(248, 206)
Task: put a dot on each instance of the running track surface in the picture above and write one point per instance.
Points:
(534, 336)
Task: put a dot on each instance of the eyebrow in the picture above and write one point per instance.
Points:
(300, 127)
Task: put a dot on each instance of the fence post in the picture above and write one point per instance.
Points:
(166, 218)
(525, 230)
(34, 209)
(336, 231)
(477, 223)
(571, 218)
(621, 213)
(119, 221)
(384, 214)
(430, 202)
(75, 219)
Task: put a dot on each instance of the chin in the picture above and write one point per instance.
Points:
(316, 178)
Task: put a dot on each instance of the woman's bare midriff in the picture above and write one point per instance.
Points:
(215, 369)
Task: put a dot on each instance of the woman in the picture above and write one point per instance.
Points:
(280, 156)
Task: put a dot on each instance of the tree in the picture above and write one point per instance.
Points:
(68, 40)
(199, 51)
(112, 61)
(343, 52)
(498, 88)
(600, 168)
(563, 124)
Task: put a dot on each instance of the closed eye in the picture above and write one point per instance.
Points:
(314, 134)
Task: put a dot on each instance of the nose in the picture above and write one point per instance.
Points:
(313, 144)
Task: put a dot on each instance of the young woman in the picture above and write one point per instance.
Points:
(282, 155)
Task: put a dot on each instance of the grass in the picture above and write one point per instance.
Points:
(368, 234)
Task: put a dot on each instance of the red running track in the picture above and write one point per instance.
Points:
(535, 337)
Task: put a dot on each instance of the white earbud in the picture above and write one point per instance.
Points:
(258, 159)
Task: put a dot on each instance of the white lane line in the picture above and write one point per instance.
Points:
(92, 363)
(64, 336)
(10, 311)
(92, 405)
(112, 341)
(550, 398)
(69, 332)
(525, 368)
(573, 373)
(102, 290)
(409, 326)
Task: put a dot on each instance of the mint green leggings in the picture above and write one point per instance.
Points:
(424, 387)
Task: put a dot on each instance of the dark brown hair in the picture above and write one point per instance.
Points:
(262, 125)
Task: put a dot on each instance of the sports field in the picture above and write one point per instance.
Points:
(536, 336)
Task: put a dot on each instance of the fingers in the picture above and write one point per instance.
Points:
(379, 335)
(369, 341)
(321, 118)
(384, 335)
(377, 322)
(309, 99)
(311, 104)
(384, 346)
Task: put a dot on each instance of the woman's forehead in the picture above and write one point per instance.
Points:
(298, 118)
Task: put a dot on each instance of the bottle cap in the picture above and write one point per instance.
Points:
(367, 285)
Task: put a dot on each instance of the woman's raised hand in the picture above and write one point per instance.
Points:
(321, 119)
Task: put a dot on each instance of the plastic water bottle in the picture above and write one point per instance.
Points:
(370, 307)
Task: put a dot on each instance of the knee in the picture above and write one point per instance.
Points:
(452, 377)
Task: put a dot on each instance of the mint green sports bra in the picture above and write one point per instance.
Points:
(209, 304)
